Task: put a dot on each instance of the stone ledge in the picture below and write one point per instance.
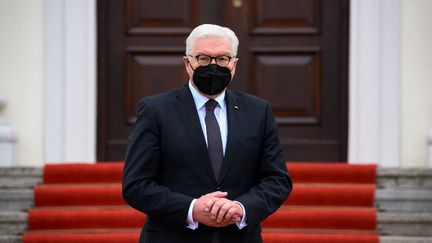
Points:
(404, 239)
(10, 239)
(404, 177)
(405, 224)
(16, 199)
(16, 194)
(13, 217)
(20, 177)
(403, 194)
(421, 217)
(403, 199)
(12, 223)
(24, 182)
(21, 171)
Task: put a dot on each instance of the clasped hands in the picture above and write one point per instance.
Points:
(215, 210)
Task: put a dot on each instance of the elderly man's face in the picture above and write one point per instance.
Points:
(211, 46)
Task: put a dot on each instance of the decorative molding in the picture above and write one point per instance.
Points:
(70, 80)
(374, 128)
(8, 140)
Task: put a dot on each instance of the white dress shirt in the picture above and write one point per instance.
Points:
(221, 117)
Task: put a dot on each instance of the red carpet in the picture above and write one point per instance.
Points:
(110, 194)
(82, 203)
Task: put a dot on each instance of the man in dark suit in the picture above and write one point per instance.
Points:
(205, 163)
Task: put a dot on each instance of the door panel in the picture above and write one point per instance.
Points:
(162, 17)
(291, 53)
(285, 17)
(290, 80)
(148, 74)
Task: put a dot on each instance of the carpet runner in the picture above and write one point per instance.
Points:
(330, 202)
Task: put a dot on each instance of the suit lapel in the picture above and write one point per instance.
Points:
(235, 118)
(189, 117)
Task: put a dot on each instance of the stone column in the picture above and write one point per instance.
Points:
(429, 148)
(8, 140)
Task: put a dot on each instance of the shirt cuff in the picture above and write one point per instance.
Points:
(242, 222)
(191, 224)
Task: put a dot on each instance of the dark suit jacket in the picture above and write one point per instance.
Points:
(167, 166)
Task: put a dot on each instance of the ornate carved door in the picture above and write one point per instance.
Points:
(292, 53)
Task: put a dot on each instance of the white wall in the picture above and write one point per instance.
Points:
(21, 74)
(416, 83)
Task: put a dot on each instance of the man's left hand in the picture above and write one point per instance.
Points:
(225, 211)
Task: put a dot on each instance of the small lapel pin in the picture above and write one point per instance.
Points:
(236, 107)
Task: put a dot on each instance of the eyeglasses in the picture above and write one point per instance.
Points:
(204, 60)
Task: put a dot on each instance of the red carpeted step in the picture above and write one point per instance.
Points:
(133, 237)
(318, 238)
(330, 218)
(352, 219)
(301, 172)
(348, 195)
(42, 219)
(331, 173)
(78, 195)
(106, 237)
(102, 172)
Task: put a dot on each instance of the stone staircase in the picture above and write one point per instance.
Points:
(16, 197)
(403, 198)
(404, 201)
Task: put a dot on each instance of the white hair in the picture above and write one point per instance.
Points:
(211, 30)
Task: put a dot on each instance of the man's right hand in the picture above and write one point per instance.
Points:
(203, 206)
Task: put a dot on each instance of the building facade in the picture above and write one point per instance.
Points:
(48, 77)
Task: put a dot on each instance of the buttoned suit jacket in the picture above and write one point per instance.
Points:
(167, 166)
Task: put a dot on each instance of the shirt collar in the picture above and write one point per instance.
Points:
(200, 99)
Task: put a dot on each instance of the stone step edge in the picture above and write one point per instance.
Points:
(11, 239)
(404, 194)
(21, 171)
(404, 177)
(404, 218)
(8, 195)
(383, 239)
(405, 172)
(404, 239)
(13, 217)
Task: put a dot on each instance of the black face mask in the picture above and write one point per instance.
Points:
(211, 79)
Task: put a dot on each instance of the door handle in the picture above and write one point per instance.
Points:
(237, 3)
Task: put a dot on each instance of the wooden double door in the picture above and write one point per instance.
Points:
(292, 53)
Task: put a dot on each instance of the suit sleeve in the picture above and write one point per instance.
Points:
(139, 187)
(274, 183)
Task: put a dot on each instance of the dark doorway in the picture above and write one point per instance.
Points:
(292, 53)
